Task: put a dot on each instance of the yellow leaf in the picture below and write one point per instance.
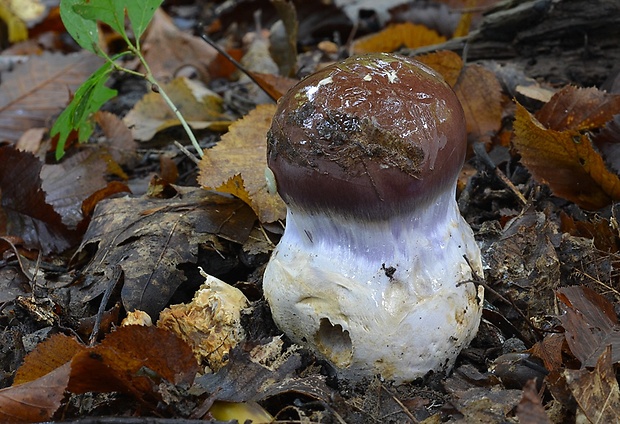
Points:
(27, 10)
(396, 36)
(237, 164)
(566, 161)
(200, 107)
(446, 62)
(17, 30)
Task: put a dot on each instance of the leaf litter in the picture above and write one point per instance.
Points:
(80, 254)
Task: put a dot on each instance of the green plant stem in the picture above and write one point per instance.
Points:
(148, 75)
(178, 114)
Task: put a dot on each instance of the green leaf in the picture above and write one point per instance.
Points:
(83, 31)
(110, 12)
(88, 99)
(140, 14)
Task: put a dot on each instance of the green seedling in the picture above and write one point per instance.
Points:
(80, 18)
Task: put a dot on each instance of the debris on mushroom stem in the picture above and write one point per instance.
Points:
(371, 272)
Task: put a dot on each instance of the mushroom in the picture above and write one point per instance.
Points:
(371, 271)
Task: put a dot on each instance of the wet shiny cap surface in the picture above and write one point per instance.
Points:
(373, 136)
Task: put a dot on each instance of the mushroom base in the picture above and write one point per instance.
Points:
(391, 298)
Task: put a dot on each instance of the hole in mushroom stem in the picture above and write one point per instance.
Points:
(335, 343)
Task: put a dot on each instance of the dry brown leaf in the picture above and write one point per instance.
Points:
(275, 85)
(119, 140)
(35, 401)
(69, 183)
(396, 36)
(580, 109)
(531, 410)
(24, 210)
(200, 107)
(149, 238)
(39, 88)
(237, 164)
(48, 355)
(480, 94)
(590, 324)
(446, 62)
(566, 161)
(132, 359)
(597, 391)
(549, 350)
(167, 49)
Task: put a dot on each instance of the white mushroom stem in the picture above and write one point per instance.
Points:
(391, 297)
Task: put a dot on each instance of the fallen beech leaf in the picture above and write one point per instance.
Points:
(49, 355)
(36, 400)
(590, 324)
(446, 62)
(566, 161)
(168, 49)
(237, 164)
(39, 88)
(200, 107)
(480, 94)
(597, 391)
(26, 213)
(549, 350)
(581, 109)
(396, 36)
(132, 359)
(150, 237)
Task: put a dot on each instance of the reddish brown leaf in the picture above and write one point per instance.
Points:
(566, 161)
(275, 85)
(590, 324)
(24, 211)
(597, 391)
(549, 350)
(581, 109)
(132, 359)
(113, 187)
(34, 401)
(40, 88)
(531, 410)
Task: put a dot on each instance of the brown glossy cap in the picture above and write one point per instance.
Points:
(372, 136)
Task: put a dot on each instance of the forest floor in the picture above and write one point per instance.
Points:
(132, 222)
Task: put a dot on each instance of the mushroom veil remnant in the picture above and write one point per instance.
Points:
(371, 271)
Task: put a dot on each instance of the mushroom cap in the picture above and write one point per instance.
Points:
(373, 136)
